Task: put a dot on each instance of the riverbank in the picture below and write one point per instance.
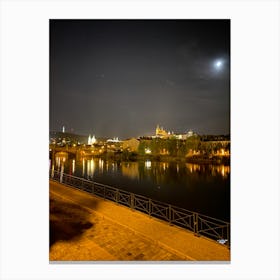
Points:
(197, 159)
(87, 228)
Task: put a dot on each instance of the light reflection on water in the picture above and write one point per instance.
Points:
(73, 166)
(130, 169)
(216, 170)
(133, 169)
(197, 187)
(148, 164)
(90, 168)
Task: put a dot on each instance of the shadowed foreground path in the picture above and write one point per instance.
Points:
(87, 228)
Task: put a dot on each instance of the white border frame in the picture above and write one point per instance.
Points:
(254, 124)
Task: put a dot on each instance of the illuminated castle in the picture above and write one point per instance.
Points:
(160, 132)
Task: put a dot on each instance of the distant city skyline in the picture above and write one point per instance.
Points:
(124, 77)
(188, 131)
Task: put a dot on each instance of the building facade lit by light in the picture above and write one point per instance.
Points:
(162, 133)
(114, 140)
(91, 140)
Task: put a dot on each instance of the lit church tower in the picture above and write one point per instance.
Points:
(160, 132)
(157, 130)
(91, 140)
(63, 129)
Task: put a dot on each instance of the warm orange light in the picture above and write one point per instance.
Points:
(147, 151)
(148, 164)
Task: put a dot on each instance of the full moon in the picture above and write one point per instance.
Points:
(218, 64)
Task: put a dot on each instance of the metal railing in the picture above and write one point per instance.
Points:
(198, 223)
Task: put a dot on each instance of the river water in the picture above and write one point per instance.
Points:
(195, 187)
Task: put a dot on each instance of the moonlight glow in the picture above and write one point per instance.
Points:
(218, 64)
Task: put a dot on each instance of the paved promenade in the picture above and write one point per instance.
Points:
(87, 228)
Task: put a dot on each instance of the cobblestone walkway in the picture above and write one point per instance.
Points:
(106, 241)
(112, 232)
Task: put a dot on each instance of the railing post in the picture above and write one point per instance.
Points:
(132, 201)
(104, 192)
(61, 177)
(117, 196)
(228, 242)
(150, 207)
(169, 214)
(92, 188)
(195, 224)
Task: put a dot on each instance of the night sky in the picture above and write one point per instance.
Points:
(120, 78)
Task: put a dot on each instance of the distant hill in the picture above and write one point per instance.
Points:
(215, 137)
(74, 138)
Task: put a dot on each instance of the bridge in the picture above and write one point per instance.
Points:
(74, 151)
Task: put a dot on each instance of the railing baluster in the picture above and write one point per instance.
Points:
(195, 221)
(228, 241)
(169, 214)
(132, 201)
